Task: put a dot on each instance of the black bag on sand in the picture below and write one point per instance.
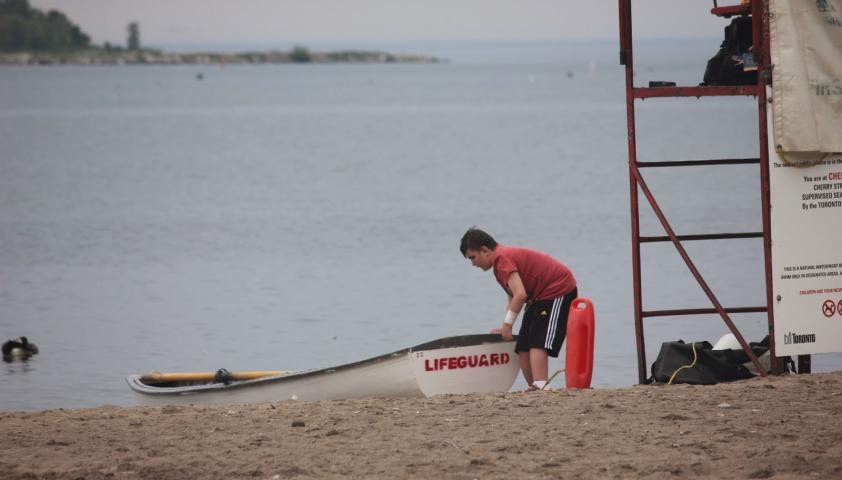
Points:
(733, 64)
(759, 348)
(711, 366)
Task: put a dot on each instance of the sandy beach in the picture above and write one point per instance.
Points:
(780, 427)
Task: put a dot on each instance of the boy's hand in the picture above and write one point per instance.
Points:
(506, 332)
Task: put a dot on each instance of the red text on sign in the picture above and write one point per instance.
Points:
(466, 361)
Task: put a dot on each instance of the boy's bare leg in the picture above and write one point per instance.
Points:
(526, 367)
(539, 363)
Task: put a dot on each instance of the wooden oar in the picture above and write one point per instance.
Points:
(158, 377)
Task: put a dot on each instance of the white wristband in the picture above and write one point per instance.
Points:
(510, 317)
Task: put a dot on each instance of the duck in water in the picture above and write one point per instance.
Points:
(18, 349)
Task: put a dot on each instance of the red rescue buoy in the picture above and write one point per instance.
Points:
(580, 336)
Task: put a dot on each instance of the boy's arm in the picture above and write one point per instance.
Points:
(516, 300)
(499, 331)
(518, 296)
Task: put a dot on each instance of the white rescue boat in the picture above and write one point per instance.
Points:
(451, 365)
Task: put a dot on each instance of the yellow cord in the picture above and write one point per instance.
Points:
(551, 378)
(695, 357)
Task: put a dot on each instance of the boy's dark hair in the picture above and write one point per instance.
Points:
(474, 239)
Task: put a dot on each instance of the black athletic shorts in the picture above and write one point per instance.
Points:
(544, 324)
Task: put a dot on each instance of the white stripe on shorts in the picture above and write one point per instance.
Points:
(551, 330)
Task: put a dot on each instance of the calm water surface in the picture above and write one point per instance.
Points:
(303, 216)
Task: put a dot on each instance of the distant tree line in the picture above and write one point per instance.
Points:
(30, 36)
(23, 28)
(300, 54)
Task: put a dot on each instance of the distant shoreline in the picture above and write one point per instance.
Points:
(153, 57)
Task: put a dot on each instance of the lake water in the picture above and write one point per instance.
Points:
(304, 216)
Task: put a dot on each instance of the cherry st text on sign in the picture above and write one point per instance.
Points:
(826, 191)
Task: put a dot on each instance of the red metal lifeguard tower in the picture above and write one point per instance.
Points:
(758, 11)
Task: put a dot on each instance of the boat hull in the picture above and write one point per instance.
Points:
(465, 364)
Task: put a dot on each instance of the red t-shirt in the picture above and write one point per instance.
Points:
(543, 277)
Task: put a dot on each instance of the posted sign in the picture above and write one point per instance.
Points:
(806, 216)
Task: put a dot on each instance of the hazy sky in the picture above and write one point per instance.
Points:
(286, 22)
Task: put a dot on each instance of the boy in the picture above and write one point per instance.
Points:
(545, 285)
